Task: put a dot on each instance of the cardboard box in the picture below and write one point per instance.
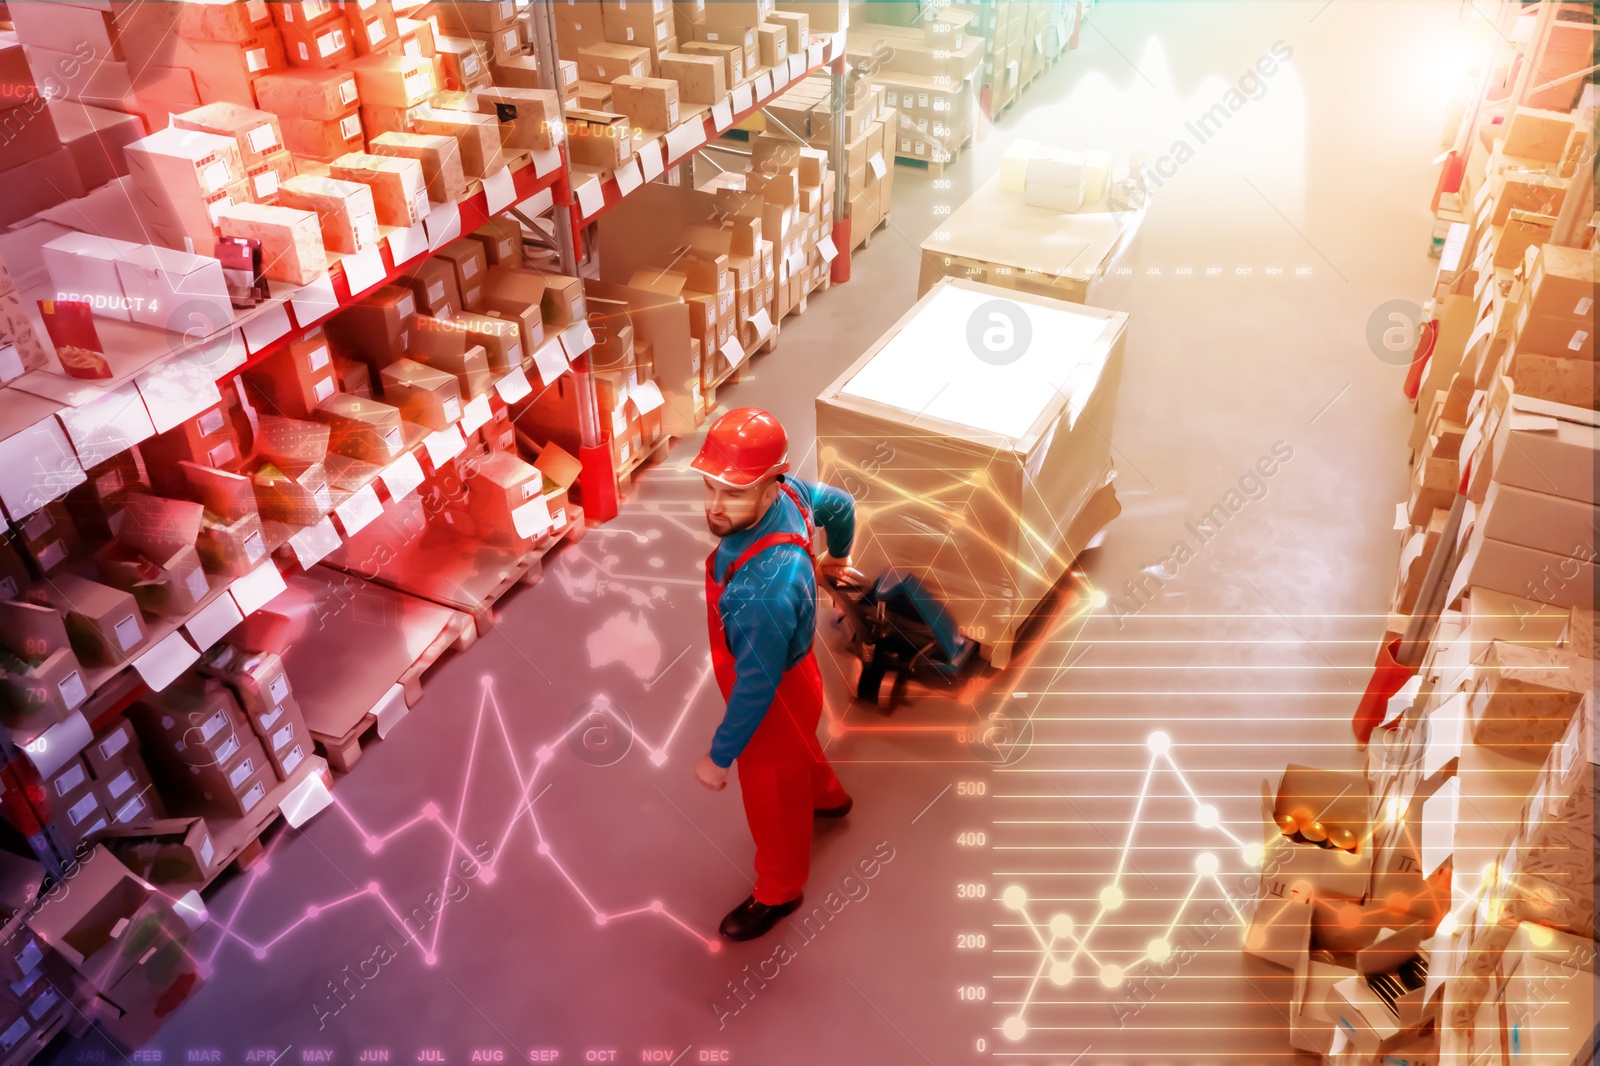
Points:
(563, 301)
(255, 132)
(502, 241)
(466, 257)
(41, 690)
(377, 328)
(169, 584)
(399, 189)
(296, 379)
(604, 61)
(291, 239)
(440, 156)
(702, 79)
(231, 547)
(1063, 461)
(260, 684)
(95, 138)
(598, 138)
(478, 137)
(165, 850)
(530, 119)
(652, 103)
(323, 140)
(344, 209)
(322, 45)
(1532, 133)
(393, 80)
(308, 94)
(1339, 802)
(433, 282)
(731, 55)
(362, 428)
(104, 623)
(425, 395)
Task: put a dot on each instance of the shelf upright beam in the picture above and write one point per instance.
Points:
(598, 478)
(838, 75)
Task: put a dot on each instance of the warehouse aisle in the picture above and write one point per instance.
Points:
(515, 872)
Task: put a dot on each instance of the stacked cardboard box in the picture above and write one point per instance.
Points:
(930, 77)
(804, 113)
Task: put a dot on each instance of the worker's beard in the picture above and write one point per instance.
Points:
(724, 526)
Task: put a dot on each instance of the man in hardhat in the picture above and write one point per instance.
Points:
(761, 598)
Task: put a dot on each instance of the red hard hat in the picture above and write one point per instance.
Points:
(743, 447)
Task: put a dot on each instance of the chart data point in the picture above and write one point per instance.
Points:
(1112, 897)
(1061, 974)
(1014, 1028)
(1205, 816)
(1205, 864)
(1061, 925)
(1111, 975)
(1158, 950)
(1015, 897)
(1159, 742)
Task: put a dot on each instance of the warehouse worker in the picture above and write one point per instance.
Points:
(761, 598)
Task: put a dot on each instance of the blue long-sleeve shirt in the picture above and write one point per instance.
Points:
(769, 608)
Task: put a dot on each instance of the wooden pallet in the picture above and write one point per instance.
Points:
(343, 752)
(628, 476)
(864, 240)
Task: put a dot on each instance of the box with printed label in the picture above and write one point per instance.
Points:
(530, 119)
(502, 241)
(377, 328)
(361, 428)
(255, 132)
(298, 499)
(170, 584)
(344, 209)
(427, 396)
(291, 239)
(296, 379)
(308, 94)
(260, 684)
(39, 690)
(478, 135)
(184, 166)
(433, 282)
(399, 191)
(467, 258)
(323, 45)
(598, 138)
(563, 301)
(165, 850)
(651, 103)
(227, 70)
(231, 547)
(731, 55)
(463, 63)
(702, 79)
(104, 623)
(323, 140)
(439, 155)
(604, 61)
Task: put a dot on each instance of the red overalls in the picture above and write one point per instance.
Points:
(783, 774)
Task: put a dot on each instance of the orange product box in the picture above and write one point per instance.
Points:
(482, 151)
(296, 380)
(221, 20)
(425, 395)
(302, 12)
(307, 94)
(466, 257)
(344, 208)
(377, 328)
(266, 177)
(226, 70)
(324, 139)
(291, 239)
(373, 28)
(322, 46)
(529, 118)
(256, 132)
(439, 155)
(461, 63)
(415, 38)
(434, 283)
(399, 193)
(393, 80)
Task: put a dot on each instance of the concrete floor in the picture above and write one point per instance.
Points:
(587, 933)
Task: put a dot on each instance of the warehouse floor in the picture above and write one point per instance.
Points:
(588, 929)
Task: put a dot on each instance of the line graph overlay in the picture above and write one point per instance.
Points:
(1062, 942)
(430, 814)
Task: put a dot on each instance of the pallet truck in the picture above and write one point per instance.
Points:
(900, 632)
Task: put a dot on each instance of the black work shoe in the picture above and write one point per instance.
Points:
(836, 812)
(750, 920)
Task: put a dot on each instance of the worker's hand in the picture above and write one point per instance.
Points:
(834, 567)
(710, 774)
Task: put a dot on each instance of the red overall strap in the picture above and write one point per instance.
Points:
(771, 540)
(805, 515)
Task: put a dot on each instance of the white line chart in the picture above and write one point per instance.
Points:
(1061, 942)
(430, 814)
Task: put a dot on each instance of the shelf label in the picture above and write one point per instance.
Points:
(514, 386)
(258, 588)
(877, 165)
(212, 622)
(550, 360)
(364, 269)
(499, 190)
(721, 115)
(444, 445)
(357, 512)
(315, 301)
(546, 161)
(443, 224)
(814, 55)
(313, 543)
(401, 477)
(406, 244)
(763, 86)
(649, 157)
(762, 322)
(475, 414)
(826, 248)
(797, 66)
(628, 177)
(538, 203)
(646, 396)
(685, 138)
(166, 660)
(591, 197)
(532, 518)
(733, 351)
(264, 328)
(577, 339)
(742, 100)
